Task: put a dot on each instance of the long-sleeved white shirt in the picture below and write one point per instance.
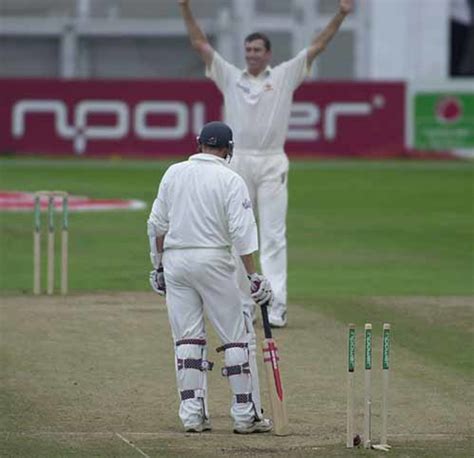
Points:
(201, 203)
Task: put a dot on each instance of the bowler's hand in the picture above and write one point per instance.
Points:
(346, 6)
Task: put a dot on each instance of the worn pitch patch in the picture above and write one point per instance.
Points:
(16, 201)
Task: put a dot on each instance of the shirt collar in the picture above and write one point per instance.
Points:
(265, 73)
(207, 157)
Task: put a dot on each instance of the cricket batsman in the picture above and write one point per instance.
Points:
(202, 210)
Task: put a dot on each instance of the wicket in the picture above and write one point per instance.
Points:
(367, 384)
(350, 386)
(50, 195)
(367, 438)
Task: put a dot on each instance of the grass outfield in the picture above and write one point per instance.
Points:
(368, 241)
(354, 228)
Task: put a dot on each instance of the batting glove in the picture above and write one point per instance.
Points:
(157, 281)
(260, 288)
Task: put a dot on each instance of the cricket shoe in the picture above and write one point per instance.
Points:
(277, 318)
(199, 427)
(258, 426)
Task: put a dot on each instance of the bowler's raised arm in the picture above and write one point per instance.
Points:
(321, 41)
(198, 38)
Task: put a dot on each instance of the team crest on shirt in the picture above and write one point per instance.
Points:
(268, 87)
(247, 204)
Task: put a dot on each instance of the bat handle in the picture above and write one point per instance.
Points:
(266, 324)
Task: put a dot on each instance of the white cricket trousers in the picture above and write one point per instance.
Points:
(202, 281)
(266, 177)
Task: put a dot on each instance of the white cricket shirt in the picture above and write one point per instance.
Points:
(202, 203)
(258, 108)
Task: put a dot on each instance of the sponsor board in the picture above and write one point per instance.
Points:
(441, 117)
(162, 118)
(444, 120)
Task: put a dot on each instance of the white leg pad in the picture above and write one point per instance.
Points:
(191, 375)
(237, 369)
(206, 408)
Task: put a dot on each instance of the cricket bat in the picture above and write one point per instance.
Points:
(273, 376)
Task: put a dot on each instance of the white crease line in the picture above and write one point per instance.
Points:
(132, 445)
(92, 433)
(167, 434)
(453, 435)
(58, 433)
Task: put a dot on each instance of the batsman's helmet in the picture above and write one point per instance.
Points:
(217, 135)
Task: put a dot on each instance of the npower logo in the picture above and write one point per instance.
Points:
(125, 119)
(308, 122)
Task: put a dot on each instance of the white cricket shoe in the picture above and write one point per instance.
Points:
(277, 318)
(199, 427)
(258, 426)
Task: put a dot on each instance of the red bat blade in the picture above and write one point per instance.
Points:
(272, 351)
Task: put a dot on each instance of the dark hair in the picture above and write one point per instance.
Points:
(259, 36)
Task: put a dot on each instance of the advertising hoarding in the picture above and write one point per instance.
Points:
(162, 118)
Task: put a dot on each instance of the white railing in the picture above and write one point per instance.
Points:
(231, 25)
